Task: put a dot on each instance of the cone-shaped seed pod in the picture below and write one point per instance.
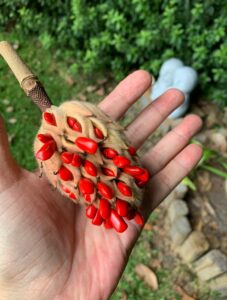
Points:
(84, 154)
(108, 176)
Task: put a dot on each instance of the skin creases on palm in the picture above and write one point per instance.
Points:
(47, 236)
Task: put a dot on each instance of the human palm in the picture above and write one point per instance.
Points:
(48, 249)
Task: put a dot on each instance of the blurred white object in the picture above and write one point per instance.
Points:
(174, 74)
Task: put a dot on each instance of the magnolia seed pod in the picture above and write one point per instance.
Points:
(84, 154)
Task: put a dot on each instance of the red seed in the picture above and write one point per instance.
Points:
(90, 168)
(143, 178)
(86, 144)
(72, 196)
(87, 197)
(65, 174)
(132, 150)
(131, 214)
(108, 224)
(133, 170)
(46, 151)
(66, 157)
(70, 121)
(91, 211)
(139, 219)
(76, 161)
(140, 184)
(65, 189)
(121, 161)
(108, 172)
(117, 222)
(86, 186)
(74, 124)
(49, 118)
(122, 207)
(105, 208)
(109, 152)
(44, 138)
(98, 133)
(105, 190)
(124, 188)
(97, 219)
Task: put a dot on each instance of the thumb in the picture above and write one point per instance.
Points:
(9, 169)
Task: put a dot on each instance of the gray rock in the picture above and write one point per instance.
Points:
(179, 231)
(169, 67)
(185, 79)
(219, 141)
(211, 265)
(180, 191)
(201, 137)
(177, 209)
(220, 284)
(173, 73)
(169, 199)
(148, 276)
(194, 246)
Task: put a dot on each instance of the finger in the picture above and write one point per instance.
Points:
(166, 180)
(125, 94)
(7, 162)
(4, 144)
(171, 144)
(152, 116)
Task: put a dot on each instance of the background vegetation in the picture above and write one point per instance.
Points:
(59, 39)
(119, 36)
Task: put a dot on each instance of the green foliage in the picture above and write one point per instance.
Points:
(189, 183)
(211, 161)
(120, 36)
(209, 158)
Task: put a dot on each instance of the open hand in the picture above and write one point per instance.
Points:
(48, 248)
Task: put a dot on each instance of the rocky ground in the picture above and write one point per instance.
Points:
(206, 209)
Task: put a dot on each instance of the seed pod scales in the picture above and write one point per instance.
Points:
(91, 142)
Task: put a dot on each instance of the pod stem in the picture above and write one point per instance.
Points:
(28, 81)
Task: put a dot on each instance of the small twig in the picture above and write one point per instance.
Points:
(28, 81)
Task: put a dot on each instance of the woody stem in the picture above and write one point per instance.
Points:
(28, 81)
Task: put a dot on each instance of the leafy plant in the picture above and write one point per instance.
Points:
(120, 36)
(212, 162)
(188, 182)
(209, 157)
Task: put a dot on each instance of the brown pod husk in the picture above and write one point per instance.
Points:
(88, 117)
